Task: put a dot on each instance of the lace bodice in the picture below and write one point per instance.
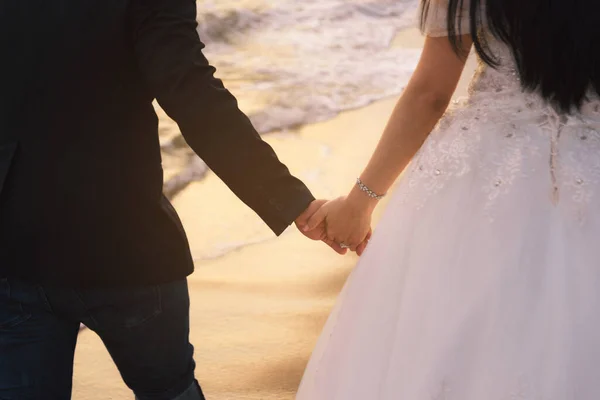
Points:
(500, 130)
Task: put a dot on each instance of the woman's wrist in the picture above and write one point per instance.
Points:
(361, 199)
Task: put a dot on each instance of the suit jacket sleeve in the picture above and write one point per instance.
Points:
(169, 53)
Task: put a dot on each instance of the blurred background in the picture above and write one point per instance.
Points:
(318, 78)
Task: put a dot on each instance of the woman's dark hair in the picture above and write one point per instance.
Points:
(555, 43)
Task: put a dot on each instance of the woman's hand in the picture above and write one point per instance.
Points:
(346, 220)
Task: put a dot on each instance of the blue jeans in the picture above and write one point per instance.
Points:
(145, 329)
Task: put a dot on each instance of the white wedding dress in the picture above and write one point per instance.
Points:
(482, 282)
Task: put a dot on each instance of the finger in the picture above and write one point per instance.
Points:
(335, 246)
(361, 247)
(315, 220)
(340, 244)
(354, 242)
(349, 243)
(323, 236)
(338, 249)
(314, 206)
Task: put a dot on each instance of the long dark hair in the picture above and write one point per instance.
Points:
(555, 43)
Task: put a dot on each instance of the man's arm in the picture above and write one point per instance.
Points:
(169, 53)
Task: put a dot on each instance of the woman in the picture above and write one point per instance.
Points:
(482, 281)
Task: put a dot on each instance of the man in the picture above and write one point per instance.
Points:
(85, 232)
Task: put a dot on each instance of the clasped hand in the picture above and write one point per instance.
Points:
(343, 224)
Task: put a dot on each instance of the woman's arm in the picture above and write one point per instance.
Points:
(421, 105)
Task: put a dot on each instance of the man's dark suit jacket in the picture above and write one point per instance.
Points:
(80, 169)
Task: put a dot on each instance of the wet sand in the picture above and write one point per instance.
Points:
(256, 312)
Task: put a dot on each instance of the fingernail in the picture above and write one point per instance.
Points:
(305, 228)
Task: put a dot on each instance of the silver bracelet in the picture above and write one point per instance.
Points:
(368, 191)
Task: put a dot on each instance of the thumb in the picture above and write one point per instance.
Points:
(316, 219)
(303, 218)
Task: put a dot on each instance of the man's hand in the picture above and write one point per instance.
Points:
(319, 232)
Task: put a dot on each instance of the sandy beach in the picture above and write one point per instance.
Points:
(258, 302)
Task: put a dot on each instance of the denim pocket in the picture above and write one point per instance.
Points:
(11, 311)
(123, 307)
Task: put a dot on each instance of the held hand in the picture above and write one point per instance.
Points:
(318, 232)
(345, 220)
